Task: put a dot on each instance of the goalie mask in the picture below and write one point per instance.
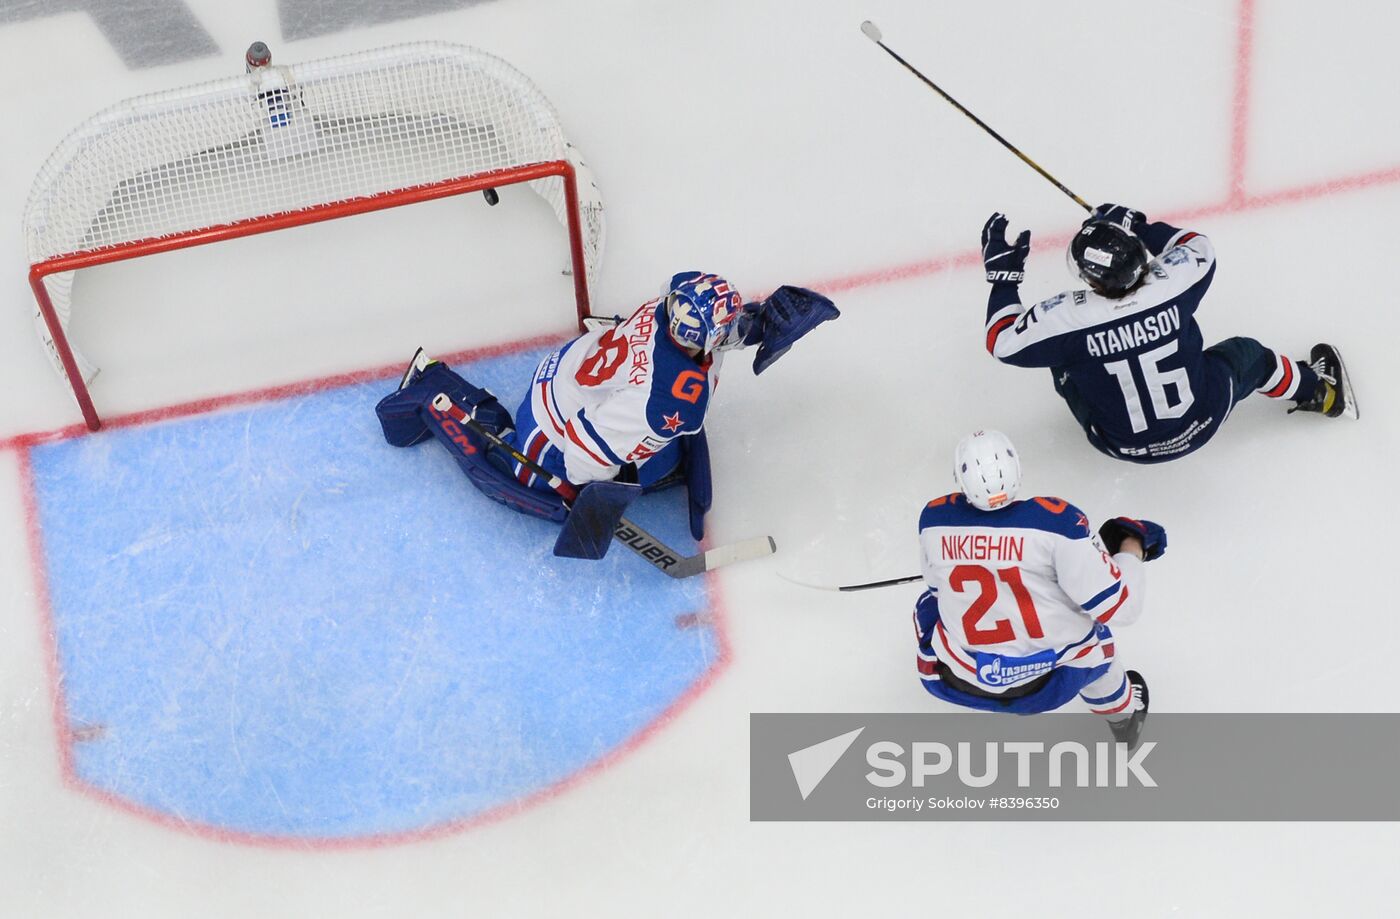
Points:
(987, 470)
(701, 310)
(1107, 257)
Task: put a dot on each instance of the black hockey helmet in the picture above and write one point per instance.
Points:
(1108, 258)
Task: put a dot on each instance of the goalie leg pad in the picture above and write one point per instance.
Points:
(403, 414)
(401, 420)
(469, 450)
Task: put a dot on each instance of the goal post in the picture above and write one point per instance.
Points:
(286, 146)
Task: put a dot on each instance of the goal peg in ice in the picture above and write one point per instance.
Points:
(259, 55)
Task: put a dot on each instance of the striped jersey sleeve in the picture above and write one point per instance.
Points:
(1108, 588)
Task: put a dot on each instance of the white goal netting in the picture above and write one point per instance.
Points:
(289, 140)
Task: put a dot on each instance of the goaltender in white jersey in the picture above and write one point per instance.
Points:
(621, 395)
(1022, 596)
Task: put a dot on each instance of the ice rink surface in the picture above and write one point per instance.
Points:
(770, 142)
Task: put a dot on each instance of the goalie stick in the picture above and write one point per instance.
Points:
(634, 537)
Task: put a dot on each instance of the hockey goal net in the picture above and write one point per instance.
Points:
(284, 146)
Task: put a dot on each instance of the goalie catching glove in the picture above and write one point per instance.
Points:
(1152, 536)
(777, 322)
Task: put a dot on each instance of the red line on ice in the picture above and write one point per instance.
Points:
(1239, 123)
(48, 634)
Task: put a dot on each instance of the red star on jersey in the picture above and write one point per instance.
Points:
(671, 422)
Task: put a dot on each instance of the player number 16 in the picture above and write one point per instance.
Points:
(1157, 381)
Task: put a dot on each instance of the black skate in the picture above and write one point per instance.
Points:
(419, 363)
(1129, 730)
(1334, 396)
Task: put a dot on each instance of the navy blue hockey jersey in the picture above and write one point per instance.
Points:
(1136, 363)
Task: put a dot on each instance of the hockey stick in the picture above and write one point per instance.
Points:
(848, 588)
(872, 32)
(443, 403)
(634, 537)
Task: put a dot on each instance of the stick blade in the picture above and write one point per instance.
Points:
(871, 30)
(848, 588)
(588, 530)
(831, 587)
(720, 556)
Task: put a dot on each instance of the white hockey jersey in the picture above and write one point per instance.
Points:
(620, 395)
(1022, 589)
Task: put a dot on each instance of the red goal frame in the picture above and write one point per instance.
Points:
(265, 224)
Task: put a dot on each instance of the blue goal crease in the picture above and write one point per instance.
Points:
(283, 625)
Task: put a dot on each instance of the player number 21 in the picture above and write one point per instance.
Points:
(1157, 381)
(964, 576)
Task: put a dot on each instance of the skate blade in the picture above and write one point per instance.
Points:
(594, 323)
(1350, 410)
(418, 362)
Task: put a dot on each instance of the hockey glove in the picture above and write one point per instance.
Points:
(1127, 218)
(926, 617)
(1005, 263)
(1152, 536)
(779, 321)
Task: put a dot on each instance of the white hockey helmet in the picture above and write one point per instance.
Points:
(987, 469)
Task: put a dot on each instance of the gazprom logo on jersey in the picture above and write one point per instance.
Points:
(998, 670)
